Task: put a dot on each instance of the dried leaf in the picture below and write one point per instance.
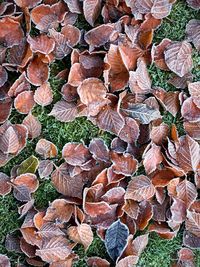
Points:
(65, 184)
(178, 57)
(116, 239)
(140, 188)
(46, 149)
(86, 235)
(9, 141)
(5, 186)
(142, 112)
(64, 111)
(45, 168)
(4, 261)
(76, 154)
(24, 102)
(43, 95)
(56, 249)
(33, 125)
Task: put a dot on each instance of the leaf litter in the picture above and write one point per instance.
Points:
(109, 83)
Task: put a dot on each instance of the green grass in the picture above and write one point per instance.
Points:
(159, 252)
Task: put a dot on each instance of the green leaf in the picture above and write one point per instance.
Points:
(29, 165)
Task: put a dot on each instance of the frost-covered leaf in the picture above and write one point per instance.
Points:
(116, 239)
(29, 165)
(178, 57)
(142, 112)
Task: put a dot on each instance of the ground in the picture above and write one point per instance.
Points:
(159, 252)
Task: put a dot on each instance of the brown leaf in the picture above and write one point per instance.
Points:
(4, 261)
(43, 95)
(56, 249)
(62, 48)
(59, 210)
(86, 235)
(194, 4)
(64, 111)
(169, 100)
(28, 180)
(145, 215)
(5, 186)
(27, 3)
(159, 133)
(97, 261)
(187, 153)
(50, 230)
(12, 243)
(41, 43)
(190, 240)
(68, 186)
(3, 76)
(20, 85)
(116, 76)
(157, 53)
(114, 195)
(92, 93)
(21, 193)
(178, 211)
(152, 158)
(194, 89)
(100, 35)
(192, 223)
(76, 154)
(162, 230)
(139, 80)
(131, 208)
(158, 9)
(45, 168)
(5, 107)
(192, 129)
(24, 102)
(33, 125)
(110, 120)
(124, 164)
(76, 75)
(130, 132)
(140, 188)
(72, 34)
(99, 149)
(91, 10)
(178, 57)
(46, 149)
(27, 249)
(37, 72)
(186, 257)
(190, 111)
(10, 32)
(74, 6)
(128, 261)
(193, 32)
(46, 17)
(9, 141)
(187, 192)
(24, 209)
(181, 82)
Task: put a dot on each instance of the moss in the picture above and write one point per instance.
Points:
(46, 193)
(160, 252)
(97, 248)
